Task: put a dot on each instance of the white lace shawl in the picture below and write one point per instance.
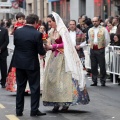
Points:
(72, 60)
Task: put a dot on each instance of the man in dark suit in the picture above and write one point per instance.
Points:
(4, 40)
(28, 44)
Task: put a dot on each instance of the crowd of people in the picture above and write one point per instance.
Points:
(112, 38)
(52, 54)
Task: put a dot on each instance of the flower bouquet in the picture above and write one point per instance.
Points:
(44, 38)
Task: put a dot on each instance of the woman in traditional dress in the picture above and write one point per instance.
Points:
(64, 82)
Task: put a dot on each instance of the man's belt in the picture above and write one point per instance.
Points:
(95, 47)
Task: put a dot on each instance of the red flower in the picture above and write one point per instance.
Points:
(45, 36)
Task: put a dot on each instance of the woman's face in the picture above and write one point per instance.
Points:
(85, 25)
(110, 26)
(51, 23)
(42, 29)
(116, 38)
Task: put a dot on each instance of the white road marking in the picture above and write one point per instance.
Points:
(1, 106)
(12, 117)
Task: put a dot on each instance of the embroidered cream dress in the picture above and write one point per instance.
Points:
(59, 88)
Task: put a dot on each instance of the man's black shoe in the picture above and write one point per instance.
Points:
(19, 114)
(103, 85)
(94, 84)
(3, 86)
(37, 113)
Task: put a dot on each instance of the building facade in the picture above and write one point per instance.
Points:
(62, 7)
(73, 9)
(39, 7)
(5, 8)
(67, 9)
(9, 8)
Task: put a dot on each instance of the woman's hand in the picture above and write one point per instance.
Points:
(48, 47)
(42, 57)
(77, 47)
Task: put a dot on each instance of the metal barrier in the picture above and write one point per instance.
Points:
(113, 61)
(112, 56)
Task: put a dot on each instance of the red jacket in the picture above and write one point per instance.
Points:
(17, 25)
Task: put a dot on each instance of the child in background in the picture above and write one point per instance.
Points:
(11, 78)
(20, 17)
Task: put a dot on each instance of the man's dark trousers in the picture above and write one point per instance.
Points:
(3, 68)
(33, 77)
(4, 41)
(98, 58)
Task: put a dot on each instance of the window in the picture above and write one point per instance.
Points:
(63, 9)
(29, 8)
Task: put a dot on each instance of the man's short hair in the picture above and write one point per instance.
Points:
(19, 15)
(117, 17)
(98, 17)
(32, 18)
(73, 21)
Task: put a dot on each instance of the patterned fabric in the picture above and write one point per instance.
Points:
(72, 61)
(78, 97)
(57, 83)
(11, 80)
(59, 88)
(11, 84)
(100, 36)
(80, 36)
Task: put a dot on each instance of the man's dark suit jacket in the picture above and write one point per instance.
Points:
(4, 40)
(28, 44)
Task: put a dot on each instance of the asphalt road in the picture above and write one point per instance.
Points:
(104, 105)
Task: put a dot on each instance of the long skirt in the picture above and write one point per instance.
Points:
(59, 88)
(11, 84)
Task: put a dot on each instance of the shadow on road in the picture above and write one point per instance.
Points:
(70, 111)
